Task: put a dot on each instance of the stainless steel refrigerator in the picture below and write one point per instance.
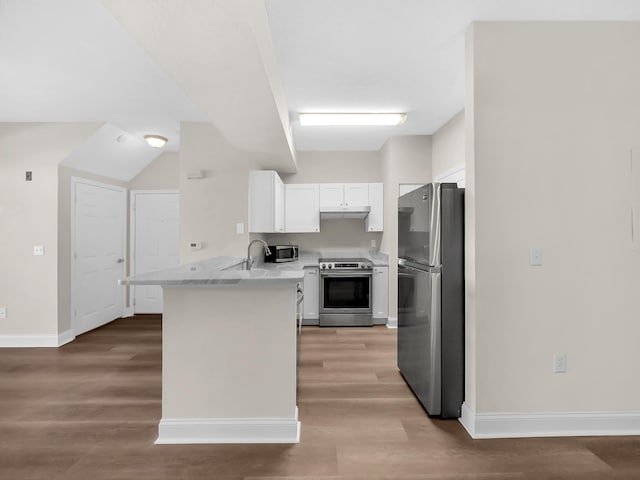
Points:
(431, 296)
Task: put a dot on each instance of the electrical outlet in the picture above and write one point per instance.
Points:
(560, 363)
(3, 312)
(240, 228)
(38, 250)
(373, 244)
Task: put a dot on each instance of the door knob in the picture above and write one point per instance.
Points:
(120, 260)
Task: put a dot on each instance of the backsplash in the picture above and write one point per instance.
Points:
(333, 235)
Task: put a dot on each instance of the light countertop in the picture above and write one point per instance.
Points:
(216, 271)
(220, 271)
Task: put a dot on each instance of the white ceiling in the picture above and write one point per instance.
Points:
(393, 55)
(72, 61)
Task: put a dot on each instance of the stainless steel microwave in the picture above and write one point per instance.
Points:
(282, 253)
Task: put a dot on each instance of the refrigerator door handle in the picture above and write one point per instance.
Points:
(403, 263)
(436, 343)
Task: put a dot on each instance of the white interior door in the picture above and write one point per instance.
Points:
(155, 243)
(99, 238)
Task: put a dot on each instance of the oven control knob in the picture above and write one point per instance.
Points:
(330, 266)
(323, 266)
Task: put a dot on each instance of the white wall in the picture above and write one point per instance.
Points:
(28, 217)
(336, 167)
(210, 207)
(552, 111)
(448, 146)
(405, 159)
(161, 174)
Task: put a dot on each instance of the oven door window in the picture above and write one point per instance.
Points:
(350, 292)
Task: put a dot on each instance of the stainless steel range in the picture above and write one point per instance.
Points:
(345, 292)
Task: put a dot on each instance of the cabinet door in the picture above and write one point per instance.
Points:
(264, 211)
(374, 221)
(356, 194)
(279, 205)
(302, 209)
(380, 292)
(311, 296)
(331, 195)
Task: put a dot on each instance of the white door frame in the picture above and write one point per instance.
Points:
(74, 282)
(132, 237)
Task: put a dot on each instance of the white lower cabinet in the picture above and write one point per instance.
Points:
(380, 292)
(311, 308)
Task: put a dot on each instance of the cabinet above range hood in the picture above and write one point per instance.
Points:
(344, 212)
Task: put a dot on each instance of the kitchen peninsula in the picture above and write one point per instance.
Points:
(228, 353)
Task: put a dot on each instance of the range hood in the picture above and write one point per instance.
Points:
(344, 212)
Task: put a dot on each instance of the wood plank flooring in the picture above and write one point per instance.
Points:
(90, 410)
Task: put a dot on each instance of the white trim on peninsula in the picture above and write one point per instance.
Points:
(564, 424)
(392, 322)
(229, 430)
(36, 341)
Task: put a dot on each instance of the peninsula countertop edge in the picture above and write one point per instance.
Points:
(217, 271)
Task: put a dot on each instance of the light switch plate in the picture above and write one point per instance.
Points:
(38, 250)
(3, 312)
(560, 363)
(239, 228)
(535, 256)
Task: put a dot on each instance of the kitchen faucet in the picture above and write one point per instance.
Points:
(248, 261)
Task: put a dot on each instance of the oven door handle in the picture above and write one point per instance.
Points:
(358, 273)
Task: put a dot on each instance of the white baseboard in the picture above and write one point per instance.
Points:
(128, 312)
(392, 322)
(564, 424)
(66, 337)
(229, 430)
(36, 341)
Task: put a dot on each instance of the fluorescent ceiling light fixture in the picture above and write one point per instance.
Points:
(351, 119)
(156, 141)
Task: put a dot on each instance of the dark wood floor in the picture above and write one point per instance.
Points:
(90, 410)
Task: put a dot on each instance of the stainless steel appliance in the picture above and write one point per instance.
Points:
(345, 292)
(282, 253)
(431, 296)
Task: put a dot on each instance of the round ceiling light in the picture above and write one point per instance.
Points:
(156, 141)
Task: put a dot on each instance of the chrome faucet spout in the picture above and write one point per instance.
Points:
(249, 261)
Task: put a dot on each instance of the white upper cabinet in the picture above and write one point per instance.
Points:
(344, 194)
(331, 195)
(356, 194)
(302, 208)
(266, 202)
(374, 221)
